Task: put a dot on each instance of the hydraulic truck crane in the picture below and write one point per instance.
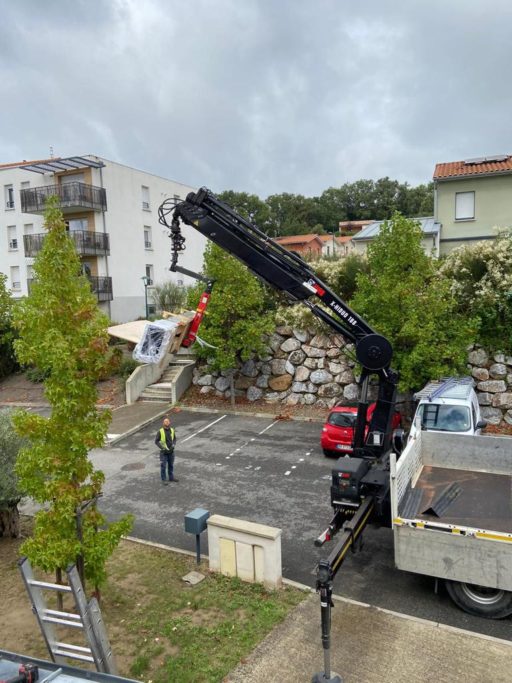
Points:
(360, 490)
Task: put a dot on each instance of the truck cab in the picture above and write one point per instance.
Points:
(449, 405)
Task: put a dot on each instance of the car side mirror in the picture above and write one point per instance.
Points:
(481, 424)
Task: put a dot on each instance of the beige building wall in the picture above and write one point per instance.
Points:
(493, 208)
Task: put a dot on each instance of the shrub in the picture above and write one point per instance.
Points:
(480, 279)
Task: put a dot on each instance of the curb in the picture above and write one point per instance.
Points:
(270, 416)
(339, 598)
(136, 428)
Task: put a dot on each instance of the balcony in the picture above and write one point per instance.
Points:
(72, 196)
(100, 285)
(87, 243)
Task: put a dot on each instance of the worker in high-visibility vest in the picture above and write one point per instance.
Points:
(165, 440)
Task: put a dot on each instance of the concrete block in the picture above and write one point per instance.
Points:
(264, 542)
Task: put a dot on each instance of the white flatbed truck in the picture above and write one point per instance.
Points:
(451, 503)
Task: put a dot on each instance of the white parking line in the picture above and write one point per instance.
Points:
(202, 430)
(266, 428)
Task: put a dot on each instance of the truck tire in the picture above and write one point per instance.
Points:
(491, 603)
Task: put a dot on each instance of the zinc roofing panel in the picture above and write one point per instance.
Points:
(428, 226)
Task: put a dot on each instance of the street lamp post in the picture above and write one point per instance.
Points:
(147, 281)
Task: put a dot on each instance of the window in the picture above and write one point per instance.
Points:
(15, 278)
(147, 237)
(9, 196)
(75, 224)
(149, 273)
(464, 206)
(145, 197)
(11, 237)
(72, 178)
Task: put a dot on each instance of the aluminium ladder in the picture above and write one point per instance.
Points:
(88, 618)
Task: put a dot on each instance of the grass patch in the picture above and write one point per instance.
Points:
(160, 628)
(188, 633)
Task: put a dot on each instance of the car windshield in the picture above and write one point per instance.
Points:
(444, 418)
(342, 419)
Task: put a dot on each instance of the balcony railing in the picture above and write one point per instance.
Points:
(72, 197)
(87, 243)
(100, 285)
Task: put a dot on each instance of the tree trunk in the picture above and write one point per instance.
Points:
(10, 521)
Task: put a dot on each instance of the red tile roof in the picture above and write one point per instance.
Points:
(296, 239)
(456, 169)
(16, 164)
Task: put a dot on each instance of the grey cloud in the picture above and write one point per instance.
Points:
(258, 95)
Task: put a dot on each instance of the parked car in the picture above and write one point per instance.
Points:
(338, 431)
(448, 405)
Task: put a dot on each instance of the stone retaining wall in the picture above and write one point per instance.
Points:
(304, 368)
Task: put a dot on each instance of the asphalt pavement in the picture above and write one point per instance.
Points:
(273, 471)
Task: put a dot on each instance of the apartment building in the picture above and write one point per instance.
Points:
(472, 199)
(111, 212)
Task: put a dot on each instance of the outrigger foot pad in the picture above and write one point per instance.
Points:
(320, 677)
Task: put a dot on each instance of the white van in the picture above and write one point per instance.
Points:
(449, 405)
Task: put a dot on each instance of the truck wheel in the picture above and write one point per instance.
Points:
(492, 603)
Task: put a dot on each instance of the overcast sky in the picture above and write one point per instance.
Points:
(264, 96)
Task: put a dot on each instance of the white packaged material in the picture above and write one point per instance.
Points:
(155, 341)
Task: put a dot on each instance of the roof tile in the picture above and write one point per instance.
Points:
(456, 169)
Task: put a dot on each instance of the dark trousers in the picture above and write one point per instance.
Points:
(167, 463)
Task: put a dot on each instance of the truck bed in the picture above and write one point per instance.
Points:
(483, 501)
(451, 501)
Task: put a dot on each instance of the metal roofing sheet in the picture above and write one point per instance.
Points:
(56, 165)
(428, 226)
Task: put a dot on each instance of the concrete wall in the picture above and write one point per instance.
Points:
(141, 378)
(245, 549)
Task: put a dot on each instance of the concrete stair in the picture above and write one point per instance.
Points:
(165, 389)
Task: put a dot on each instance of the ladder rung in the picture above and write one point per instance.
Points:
(82, 658)
(76, 648)
(50, 586)
(64, 615)
(62, 622)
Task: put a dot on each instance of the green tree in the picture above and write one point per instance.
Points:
(403, 298)
(250, 206)
(237, 315)
(480, 278)
(170, 297)
(63, 334)
(293, 214)
(8, 362)
(10, 493)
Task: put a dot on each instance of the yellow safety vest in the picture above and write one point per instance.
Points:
(163, 442)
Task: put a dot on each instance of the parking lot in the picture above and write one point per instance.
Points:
(272, 472)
